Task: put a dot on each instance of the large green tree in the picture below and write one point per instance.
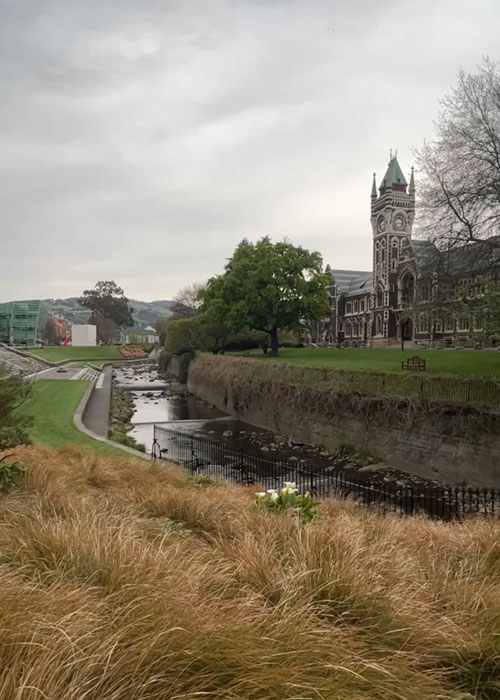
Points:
(201, 332)
(268, 287)
(107, 300)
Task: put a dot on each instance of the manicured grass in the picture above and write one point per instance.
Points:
(438, 361)
(70, 352)
(53, 403)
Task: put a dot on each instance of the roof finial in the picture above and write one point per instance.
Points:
(390, 154)
(374, 186)
(412, 182)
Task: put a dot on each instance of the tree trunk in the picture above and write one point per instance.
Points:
(274, 342)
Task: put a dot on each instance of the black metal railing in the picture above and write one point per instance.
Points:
(200, 455)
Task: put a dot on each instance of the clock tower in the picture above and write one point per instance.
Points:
(392, 214)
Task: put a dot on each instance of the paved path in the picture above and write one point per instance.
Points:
(96, 416)
(52, 373)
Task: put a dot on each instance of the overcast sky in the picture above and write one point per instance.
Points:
(141, 140)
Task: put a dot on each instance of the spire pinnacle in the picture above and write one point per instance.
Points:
(374, 186)
(411, 189)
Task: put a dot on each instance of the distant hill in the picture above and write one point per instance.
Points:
(145, 313)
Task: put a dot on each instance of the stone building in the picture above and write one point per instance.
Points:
(415, 293)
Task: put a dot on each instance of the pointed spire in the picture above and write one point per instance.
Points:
(411, 189)
(393, 178)
(374, 186)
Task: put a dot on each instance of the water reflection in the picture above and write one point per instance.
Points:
(163, 406)
(182, 411)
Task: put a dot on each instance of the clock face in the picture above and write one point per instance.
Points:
(381, 224)
(399, 222)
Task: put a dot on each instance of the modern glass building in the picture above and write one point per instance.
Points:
(21, 322)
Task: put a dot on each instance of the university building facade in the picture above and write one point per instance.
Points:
(415, 293)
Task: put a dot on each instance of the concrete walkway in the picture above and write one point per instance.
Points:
(96, 416)
(53, 373)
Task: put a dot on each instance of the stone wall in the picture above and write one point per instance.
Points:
(176, 366)
(452, 442)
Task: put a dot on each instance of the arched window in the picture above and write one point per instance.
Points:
(423, 323)
(378, 325)
(380, 297)
(355, 329)
(425, 291)
(348, 329)
(394, 254)
(407, 288)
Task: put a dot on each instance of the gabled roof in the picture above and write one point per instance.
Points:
(471, 258)
(427, 256)
(135, 330)
(458, 261)
(352, 281)
(393, 176)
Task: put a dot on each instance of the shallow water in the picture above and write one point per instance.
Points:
(185, 412)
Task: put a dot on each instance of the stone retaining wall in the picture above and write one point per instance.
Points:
(452, 442)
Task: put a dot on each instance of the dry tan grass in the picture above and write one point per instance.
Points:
(119, 580)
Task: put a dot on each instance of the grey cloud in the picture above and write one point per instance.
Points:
(143, 140)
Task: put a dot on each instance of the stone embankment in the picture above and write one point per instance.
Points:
(453, 442)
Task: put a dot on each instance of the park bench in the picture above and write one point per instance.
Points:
(414, 364)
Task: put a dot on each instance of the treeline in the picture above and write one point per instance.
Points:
(202, 333)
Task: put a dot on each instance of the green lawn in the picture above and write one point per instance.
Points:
(53, 403)
(70, 352)
(438, 361)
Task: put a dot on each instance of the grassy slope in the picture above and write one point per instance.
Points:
(126, 584)
(53, 404)
(438, 361)
(98, 352)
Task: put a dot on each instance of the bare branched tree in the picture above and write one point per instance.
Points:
(460, 171)
(187, 301)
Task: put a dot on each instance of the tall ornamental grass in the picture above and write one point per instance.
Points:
(127, 581)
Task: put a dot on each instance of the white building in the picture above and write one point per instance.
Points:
(139, 336)
(83, 335)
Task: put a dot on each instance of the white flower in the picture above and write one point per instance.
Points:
(274, 496)
(261, 494)
(290, 484)
(271, 491)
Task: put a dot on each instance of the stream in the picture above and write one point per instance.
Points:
(180, 410)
